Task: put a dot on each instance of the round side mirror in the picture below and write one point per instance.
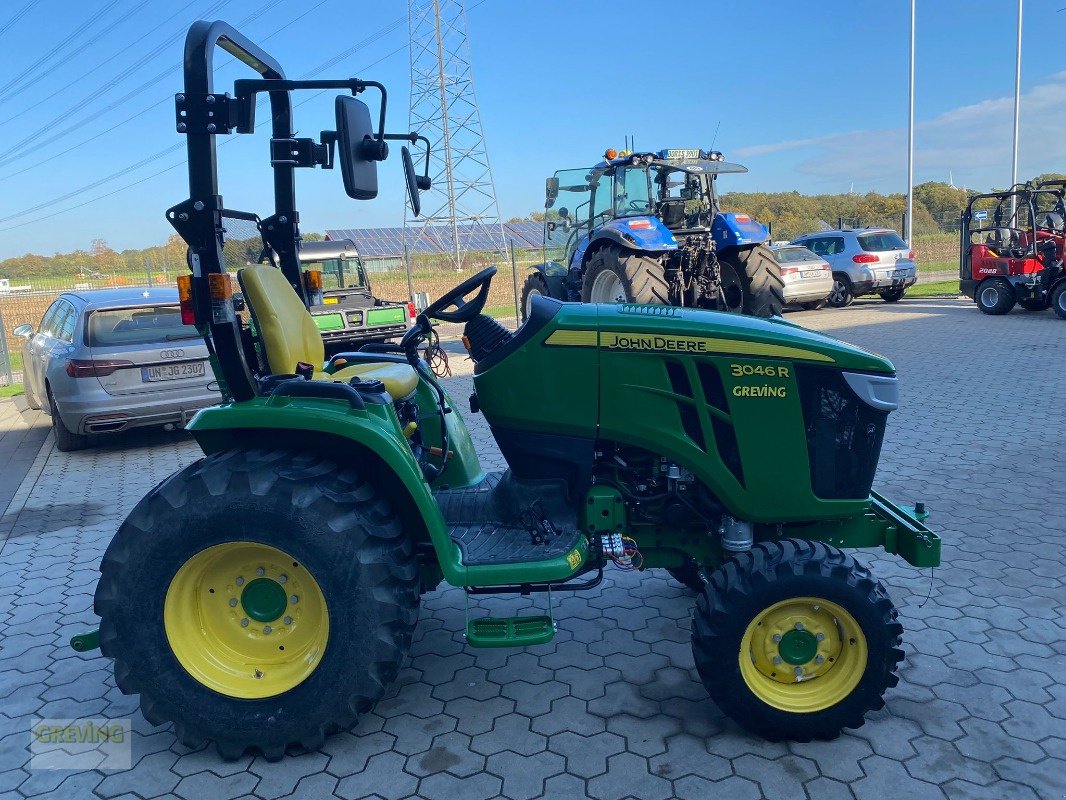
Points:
(564, 212)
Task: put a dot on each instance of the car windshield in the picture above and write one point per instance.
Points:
(789, 255)
(141, 325)
(880, 242)
(340, 273)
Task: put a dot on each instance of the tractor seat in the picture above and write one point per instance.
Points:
(289, 335)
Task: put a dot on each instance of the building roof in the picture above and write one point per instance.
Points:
(380, 242)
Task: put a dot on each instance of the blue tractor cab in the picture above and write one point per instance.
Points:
(647, 228)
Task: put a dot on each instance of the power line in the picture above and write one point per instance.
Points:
(155, 157)
(17, 16)
(81, 30)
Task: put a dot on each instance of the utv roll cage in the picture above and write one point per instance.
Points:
(201, 114)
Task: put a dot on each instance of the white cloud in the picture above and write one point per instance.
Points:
(972, 141)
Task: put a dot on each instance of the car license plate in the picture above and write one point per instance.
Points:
(173, 372)
(900, 273)
(810, 273)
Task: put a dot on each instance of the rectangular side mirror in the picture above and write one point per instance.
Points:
(551, 191)
(355, 132)
(412, 181)
(24, 330)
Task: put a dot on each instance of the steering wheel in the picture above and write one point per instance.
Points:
(465, 310)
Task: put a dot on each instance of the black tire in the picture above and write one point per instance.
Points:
(1058, 300)
(688, 576)
(755, 287)
(642, 279)
(892, 295)
(66, 440)
(995, 297)
(813, 306)
(1029, 304)
(334, 525)
(751, 583)
(841, 295)
(535, 284)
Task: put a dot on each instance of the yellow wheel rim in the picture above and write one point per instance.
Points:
(802, 655)
(246, 620)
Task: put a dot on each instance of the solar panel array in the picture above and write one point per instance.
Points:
(381, 242)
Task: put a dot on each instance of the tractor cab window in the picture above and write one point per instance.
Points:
(340, 273)
(682, 198)
(633, 192)
(602, 196)
(566, 215)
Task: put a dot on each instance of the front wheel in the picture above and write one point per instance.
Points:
(841, 295)
(1058, 300)
(796, 640)
(751, 282)
(258, 598)
(534, 285)
(996, 297)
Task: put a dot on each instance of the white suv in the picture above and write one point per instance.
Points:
(864, 261)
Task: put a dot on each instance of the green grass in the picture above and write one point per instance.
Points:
(11, 391)
(935, 289)
(938, 266)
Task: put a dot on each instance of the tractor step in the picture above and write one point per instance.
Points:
(509, 631)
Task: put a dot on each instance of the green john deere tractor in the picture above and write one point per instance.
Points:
(267, 594)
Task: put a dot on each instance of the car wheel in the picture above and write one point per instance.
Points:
(995, 297)
(841, 295)
(66, 441)
(893, 295)
(1058, 300)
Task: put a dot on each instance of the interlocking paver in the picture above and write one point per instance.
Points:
(614, 706)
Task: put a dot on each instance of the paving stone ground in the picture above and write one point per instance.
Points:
(613, 708)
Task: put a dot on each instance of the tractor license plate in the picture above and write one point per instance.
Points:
(173, 372)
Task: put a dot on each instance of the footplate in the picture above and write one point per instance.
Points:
(509, 631)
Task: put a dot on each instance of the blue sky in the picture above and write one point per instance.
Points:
(810, 96)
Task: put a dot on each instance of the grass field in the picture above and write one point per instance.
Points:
(935, 289)
(11, 391)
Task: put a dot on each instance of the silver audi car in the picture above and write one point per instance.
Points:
(108, 360)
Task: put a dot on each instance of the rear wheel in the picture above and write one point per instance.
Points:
(751, 282)
(995, 297)
(1058, 300)
(258, 598)
(534, 285)
(796, 640)
(893, 295)
(66, 440)
(841, 296)
(616, 276)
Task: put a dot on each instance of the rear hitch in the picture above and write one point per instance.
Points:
(84, 642)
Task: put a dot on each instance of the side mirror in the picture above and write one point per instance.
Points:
(359, 150)
(551, 191)
(25, 331)
(412, 181)
(564, 212)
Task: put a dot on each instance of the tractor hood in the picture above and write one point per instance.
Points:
(696, 332)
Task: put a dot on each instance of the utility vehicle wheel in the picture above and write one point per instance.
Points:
(813, 306)
(751, 282)
(66, 440)
(841, 296)
(258, 598)
(796, 640)
(996, 297)
(688, 576)
(893, 295)
(1058, 300)
(1032, 305)
(534, 285)
(615, 276)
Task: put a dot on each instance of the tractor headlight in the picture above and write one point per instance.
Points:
(879, 391)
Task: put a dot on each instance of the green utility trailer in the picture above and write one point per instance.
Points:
(267, 593)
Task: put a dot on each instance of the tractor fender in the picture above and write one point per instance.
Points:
(733, 229)
(643, 234)
(347, 435)
(554, 275)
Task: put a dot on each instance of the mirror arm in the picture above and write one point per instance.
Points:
(415, 138)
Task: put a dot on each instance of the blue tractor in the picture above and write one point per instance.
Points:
(647, 228)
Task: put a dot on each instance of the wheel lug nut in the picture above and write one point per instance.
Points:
(816, 608)
(777, 637)
(260, 571)
(294, 599)
(819, 659)
(799, 626)
(239, 581)
(267, 629)
(820, 637)
(244, 622)
(777, 659)
(283, 578)
(288, 620)
(233, 602)
(799, 671)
